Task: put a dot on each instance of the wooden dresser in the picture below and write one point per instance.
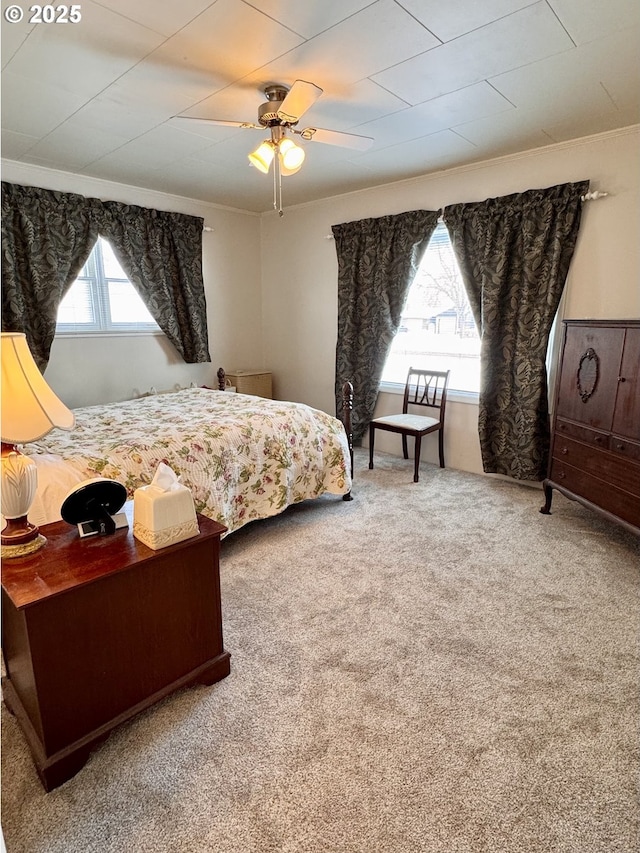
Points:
(595, 442)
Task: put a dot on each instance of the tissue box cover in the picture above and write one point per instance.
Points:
(162, 518)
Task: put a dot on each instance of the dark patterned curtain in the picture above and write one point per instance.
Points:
(377, 261)
(514, 254)
(46, 239)
(161, 253)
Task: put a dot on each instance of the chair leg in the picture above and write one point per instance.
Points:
(416, 464)
(441, 446)
(405, 449)
(372, 433)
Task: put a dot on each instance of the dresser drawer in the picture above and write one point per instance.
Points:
(626, 448)
(582, 433)
(610, 467)
(598, 492)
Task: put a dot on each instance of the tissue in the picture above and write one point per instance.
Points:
(163, 511)
(165, 478)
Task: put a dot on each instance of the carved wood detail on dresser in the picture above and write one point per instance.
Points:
(595, 440)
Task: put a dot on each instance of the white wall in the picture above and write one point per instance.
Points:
(271, 282)
(300, 299)
(89, 370)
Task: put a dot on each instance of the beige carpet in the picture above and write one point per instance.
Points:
(433, 667)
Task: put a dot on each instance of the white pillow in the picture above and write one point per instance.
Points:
(55, 479)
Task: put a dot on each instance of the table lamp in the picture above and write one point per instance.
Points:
(30, 410)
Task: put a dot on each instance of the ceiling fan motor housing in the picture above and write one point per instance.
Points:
(268, 112)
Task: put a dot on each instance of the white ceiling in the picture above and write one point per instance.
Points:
(436, 83)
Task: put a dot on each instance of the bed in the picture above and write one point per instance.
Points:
(243, 457)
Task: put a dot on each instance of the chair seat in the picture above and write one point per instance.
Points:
(418, 423)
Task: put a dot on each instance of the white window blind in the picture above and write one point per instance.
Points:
(102, 299)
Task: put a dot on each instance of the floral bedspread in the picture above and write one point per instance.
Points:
(243, 457)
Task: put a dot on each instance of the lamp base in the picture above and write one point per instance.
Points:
(9, 551)
(19, 483)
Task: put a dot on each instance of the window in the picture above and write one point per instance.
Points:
(102, 299)
(437, 329)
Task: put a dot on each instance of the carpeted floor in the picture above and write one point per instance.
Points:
(431, 668)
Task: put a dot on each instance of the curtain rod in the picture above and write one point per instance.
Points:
(592, 196)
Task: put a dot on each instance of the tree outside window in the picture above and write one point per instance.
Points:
(437, 329)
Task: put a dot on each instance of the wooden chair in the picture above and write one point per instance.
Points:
(426, 388)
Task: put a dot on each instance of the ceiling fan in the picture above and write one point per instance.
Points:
(281, 112)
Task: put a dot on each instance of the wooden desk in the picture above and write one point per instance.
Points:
(97, 629)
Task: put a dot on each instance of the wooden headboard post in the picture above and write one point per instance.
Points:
(222, 379)
(347, 408)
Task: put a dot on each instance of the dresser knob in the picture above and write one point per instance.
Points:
(619, 446)
(564, 451)
(621, 379)
(563, 426)
(562, 475)
(598, 439)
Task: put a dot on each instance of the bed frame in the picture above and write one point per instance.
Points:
(347, 409)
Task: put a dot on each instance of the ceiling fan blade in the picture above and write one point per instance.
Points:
(298, 100)
(220, 121)
(336, 137)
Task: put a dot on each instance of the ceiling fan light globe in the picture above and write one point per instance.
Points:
(291, 156)
(263, 155)
(286, 172)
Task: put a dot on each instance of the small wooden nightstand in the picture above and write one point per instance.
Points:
(97, 629)
(256, 382)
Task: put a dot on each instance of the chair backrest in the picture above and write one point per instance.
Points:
(426, 388)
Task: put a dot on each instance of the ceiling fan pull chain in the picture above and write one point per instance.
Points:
(279, 172)
(275, 189)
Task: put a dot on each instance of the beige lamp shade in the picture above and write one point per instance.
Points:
(30, 409)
